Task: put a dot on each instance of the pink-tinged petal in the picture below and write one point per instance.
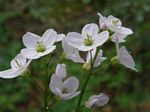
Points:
(61, 71)
(49, 37)
(126, 59)
(102, 22)
(90, 30)
(30, 40)
(75, 39)
(56, 85)
(97, 100)
(71, 84)
(101, 38)
(102, 100)
(90, 103)
(70, 95)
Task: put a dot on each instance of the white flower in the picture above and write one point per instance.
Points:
(124, 57)
(37, 46)
(18, 65)
(60, 37)
(61, 71)
(89, 39)
(97, 100)
(65, 90)
(98, 58)
(71, 52)
(114, 24)
(97, 61)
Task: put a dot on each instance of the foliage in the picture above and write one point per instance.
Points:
(129, 92)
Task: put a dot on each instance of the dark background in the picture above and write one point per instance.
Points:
(128, 91)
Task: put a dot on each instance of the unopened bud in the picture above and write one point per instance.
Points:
(114, 60)
(87, 66)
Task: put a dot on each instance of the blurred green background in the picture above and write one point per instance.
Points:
(128, 91)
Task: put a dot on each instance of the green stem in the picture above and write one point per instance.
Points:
(83, 90)
(104, 66)
(46, 107)
(36, 83)
(85, 83)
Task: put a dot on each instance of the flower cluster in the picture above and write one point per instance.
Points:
(89, 42)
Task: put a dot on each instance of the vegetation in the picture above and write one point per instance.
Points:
(128, 91)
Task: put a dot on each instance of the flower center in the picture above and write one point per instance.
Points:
(40, 47)
(116, 22)
(65, 90)
(88, 41)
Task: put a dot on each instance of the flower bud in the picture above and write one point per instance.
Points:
(86, 66)
(114, 60)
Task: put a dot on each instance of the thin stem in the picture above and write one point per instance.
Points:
(46, 107)
(85, 84)
(104, 66)
(82, 91)
(36, 83)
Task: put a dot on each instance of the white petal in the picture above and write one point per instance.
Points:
(102, 100)
(70, 96)
(76, 58)
(30, 40)
(57, 91)
(122, 30)
(120, 37)
(11, 73)
(49, 37)
(102, 22)
(126, 59)
(30, 53)
(71, 84)
(71, 52)
(91, 102)
(87, 48)
(18, 61)
(88, 57)
(99, 59)
(97, 100)
(90, 29)
(126, 31)
(56, 85)
(61, 71)
(75, 39)
(68, 50)
(101, 38)
(60, 37)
